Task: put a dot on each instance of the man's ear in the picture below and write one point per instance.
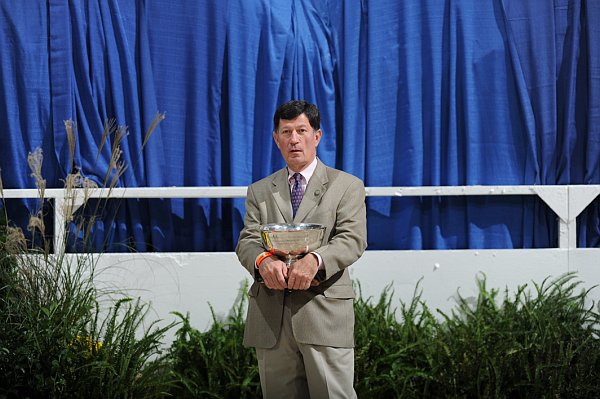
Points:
(276, 138)
(318, 136)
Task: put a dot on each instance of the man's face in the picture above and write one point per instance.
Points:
(297, 142)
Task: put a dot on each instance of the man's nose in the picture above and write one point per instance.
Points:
(295, 137)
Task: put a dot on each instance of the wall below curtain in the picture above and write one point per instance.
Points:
(193, 283)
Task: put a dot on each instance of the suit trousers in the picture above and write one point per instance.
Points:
(295, 370)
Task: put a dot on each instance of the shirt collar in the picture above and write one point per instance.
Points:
(307, 172)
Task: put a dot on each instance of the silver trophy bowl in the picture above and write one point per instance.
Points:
(291, 241)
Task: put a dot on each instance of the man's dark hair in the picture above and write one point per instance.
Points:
(293, 109)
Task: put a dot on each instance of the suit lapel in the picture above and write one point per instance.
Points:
(314, 192)
(281, 194)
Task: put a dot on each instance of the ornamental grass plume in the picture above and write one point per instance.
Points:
(36, 223)
(159, 117)
(109, 127)
(71, 183)
(12, 239)
(116, 166)
(75, 197)
(35, 160)
(15, 242)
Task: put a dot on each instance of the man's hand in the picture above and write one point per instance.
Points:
(274, 273)
(302, 273)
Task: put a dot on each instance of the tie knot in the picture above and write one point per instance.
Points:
(297, 178)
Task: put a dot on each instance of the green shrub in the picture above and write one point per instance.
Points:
(542, 344)
(215, 364)
(392, 358)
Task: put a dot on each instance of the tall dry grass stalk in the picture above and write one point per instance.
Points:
(116, 167)
(36, 223)
(109, 128)
(74, 197)
(159, 117)
(72, 182)
(78, 191)
(35, 160)
(70, 127)
(15, 241)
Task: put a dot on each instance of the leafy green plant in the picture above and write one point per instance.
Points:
(540, 344)
(214, 364)
(543, 344)
(540, 341)
(391, 356)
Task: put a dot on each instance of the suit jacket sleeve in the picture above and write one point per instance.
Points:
(348, 238)
(249, 244)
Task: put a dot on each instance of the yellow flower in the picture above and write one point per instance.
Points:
(88, 342)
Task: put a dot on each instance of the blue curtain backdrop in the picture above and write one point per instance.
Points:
(412, 93)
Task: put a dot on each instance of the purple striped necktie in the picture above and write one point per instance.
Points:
(297, 192)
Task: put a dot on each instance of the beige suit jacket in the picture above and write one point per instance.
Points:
(321, 315)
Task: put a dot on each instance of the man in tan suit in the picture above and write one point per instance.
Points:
(301, 319)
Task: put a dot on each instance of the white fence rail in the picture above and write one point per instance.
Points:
(567, 201)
